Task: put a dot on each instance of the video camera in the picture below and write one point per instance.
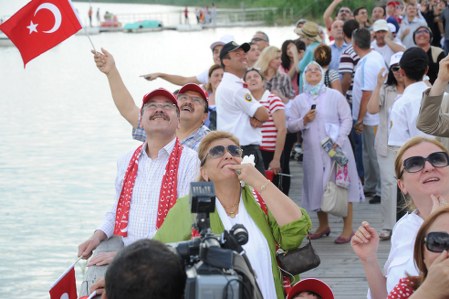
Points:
(216, 266)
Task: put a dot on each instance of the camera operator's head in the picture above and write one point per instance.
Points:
(145, 269)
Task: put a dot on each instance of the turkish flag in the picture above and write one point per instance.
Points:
(65, 286)
(40, 25)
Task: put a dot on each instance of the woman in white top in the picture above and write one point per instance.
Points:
(381, 101)
(423, 177)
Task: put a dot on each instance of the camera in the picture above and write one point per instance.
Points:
(216, 265)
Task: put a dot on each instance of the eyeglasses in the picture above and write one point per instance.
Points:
(344, 11)
(437, 241)
(395, 68)
(258, 39)
(422, 31)
(184, 97)
(164, 106)
(219, 151)
(416, 163)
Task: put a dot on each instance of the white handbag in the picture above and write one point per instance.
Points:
(335, 198)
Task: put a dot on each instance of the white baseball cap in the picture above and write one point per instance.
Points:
(223, 40)
(380, 25)
(392, 27)
(395, 58)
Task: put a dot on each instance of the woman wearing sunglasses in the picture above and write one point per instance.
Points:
(422, 173)
(432, 259)
(381, 101)
(285, 223)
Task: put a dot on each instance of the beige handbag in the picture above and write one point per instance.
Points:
(335, 198)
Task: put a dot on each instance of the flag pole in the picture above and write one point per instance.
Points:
(66, 271)
(90, 40)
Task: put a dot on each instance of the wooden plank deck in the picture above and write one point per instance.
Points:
(340, 267)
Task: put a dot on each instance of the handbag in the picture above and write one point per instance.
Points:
(299, 260)
(335, 198)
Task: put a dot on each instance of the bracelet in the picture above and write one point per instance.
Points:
(264, 186)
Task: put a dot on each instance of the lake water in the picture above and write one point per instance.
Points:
(60, 137)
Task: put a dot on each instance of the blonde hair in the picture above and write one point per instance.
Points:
(267, 55)
(208, 139)
(412, 142)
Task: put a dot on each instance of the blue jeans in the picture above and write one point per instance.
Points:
(356, 142)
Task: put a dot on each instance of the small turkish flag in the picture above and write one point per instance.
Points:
(65, 286)
(40, 25)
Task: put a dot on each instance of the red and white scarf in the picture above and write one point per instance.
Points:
(167, 194)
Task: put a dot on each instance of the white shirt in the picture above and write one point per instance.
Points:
(404, 114)
(400, 260)
(365, 79)
(235, 106)
(256, 249)
(385, 51)
(145, 198)
(203, 77)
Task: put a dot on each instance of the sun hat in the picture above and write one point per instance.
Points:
(310, 30)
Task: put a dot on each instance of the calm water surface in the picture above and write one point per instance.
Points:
(60, 137)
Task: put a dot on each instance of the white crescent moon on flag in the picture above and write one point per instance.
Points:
(55, 11)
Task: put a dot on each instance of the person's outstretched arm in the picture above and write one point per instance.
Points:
(431, 119)
(174, 79)
(365, 243)
(120, 94)
(327, 15)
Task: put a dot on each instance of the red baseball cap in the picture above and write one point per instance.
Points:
(196, 88)
(160, 92)
(393, 3)
(311, 285)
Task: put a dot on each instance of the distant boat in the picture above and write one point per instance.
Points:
(5, 41)
(111, 26)
(143, 26)
(189, 27)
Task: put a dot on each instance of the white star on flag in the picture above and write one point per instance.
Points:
(32, 27)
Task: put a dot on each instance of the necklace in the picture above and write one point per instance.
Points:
(233, 211)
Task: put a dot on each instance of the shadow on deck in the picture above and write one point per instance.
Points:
(340, 267)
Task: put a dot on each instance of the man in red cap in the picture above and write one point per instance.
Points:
(149, 178)
(191, 98)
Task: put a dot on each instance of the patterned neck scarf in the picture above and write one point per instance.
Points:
(167, 194)
(313, 90)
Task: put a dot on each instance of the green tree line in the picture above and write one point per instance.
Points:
(309, 9)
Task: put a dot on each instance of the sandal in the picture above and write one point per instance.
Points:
(385, 234)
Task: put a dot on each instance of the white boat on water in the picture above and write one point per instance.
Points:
(5, 41)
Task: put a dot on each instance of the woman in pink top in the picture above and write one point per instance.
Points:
(274, 129)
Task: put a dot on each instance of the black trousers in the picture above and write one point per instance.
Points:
(254, 150)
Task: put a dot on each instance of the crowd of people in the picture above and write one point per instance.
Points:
(364, 104)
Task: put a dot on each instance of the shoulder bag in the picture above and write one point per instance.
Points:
(335, 198)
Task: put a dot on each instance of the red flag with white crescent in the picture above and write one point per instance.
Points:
(65, 286)
(41, 25)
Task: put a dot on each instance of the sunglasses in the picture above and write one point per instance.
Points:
(437, 241)
(416, 163)
(395, 68)
(219, 151)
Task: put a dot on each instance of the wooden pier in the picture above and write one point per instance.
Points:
(340, 267)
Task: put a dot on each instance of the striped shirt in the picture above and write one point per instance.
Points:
(145, 197)
(269, 132)
(348, 62)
